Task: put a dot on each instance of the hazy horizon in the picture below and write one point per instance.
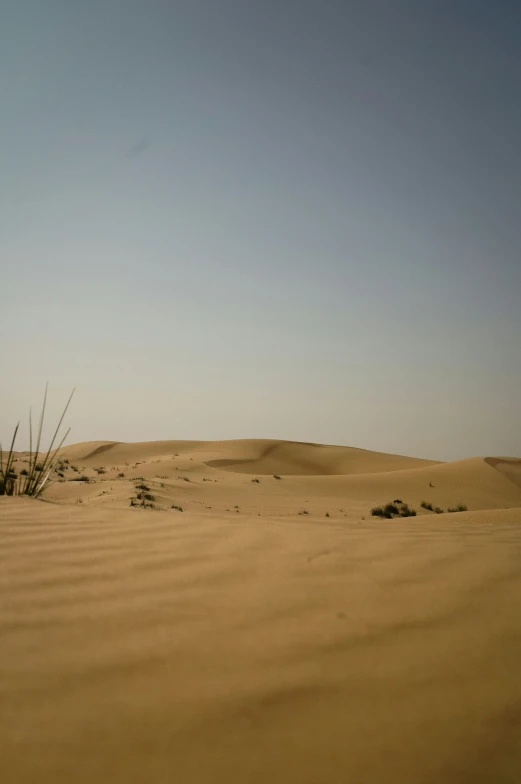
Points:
(288, 220)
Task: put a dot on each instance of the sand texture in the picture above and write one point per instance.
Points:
(273, 630)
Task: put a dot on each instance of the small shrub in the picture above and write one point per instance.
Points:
(186, 478)
(81, 478)
(100, 470)
(143, 486)
(397, 501)
(427, 505)
(24, 472)
(61, 474)
(176, 506)
(256, 480)
(304, 512)
(327, 514)
(276, 476)
(146, 496)
(391, 510)
(121, 476)
(462, 508)
(438, 510)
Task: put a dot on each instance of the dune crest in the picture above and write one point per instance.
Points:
(510, 467)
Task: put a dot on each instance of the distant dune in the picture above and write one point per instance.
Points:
(258, 624)
(510, 467)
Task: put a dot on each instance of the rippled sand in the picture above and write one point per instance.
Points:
(223, 646)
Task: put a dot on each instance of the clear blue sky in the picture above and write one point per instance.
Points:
(264, 218)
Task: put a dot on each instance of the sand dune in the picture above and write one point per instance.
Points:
(242, 640)
(294, 458)
(508, 466)
(221, 476)
(253, 456)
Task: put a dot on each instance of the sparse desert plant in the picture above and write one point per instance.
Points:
(36, 478)
(276, 476)
(121, 476)
(100, 470)
(397, 501)
(304, 512)
(176, 506)
(438, 510)
(392, 510)
(327, 514)
(142, 496)
(256, 480)
(427, 505)
(186, 478)
(24, 472)
(82, 478)
(143, 486)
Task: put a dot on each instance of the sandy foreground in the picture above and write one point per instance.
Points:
(252, 638)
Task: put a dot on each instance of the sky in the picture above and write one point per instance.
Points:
(288, 219)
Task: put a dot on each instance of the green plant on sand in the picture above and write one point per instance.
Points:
(36, 479)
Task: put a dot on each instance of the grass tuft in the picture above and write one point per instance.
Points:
(36, 477)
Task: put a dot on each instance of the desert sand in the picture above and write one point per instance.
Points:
(271, 631)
